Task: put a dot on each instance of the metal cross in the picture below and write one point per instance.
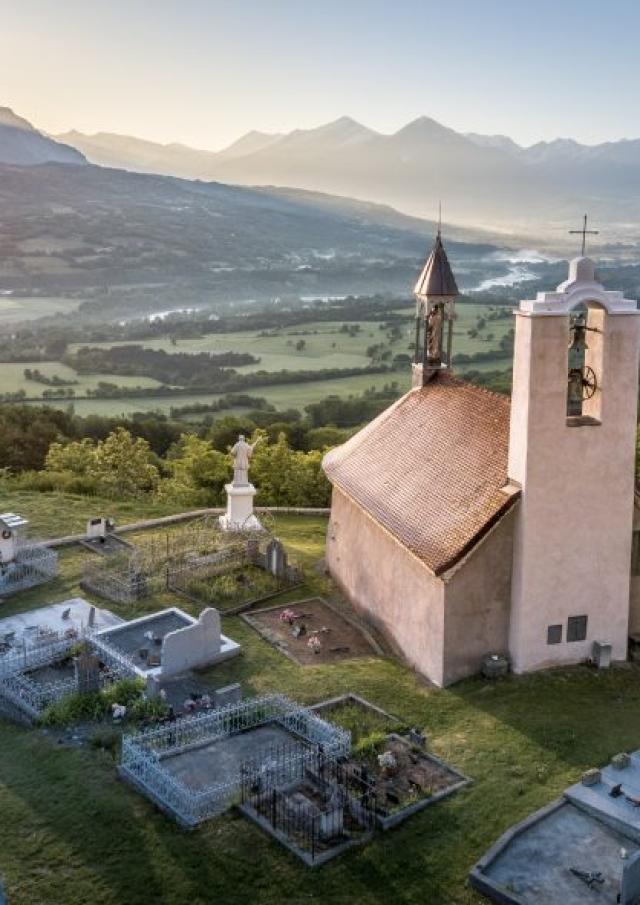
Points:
(584, 232)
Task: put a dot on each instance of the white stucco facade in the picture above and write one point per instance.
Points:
(572, 541)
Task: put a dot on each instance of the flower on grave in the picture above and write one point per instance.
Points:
(315, 644)
(387, 760)
(205, 701)
(189, 705)
(288, 616)
(118, 712)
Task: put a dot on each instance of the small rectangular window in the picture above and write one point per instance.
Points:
(635, 554)
(554, 634)
(577, 628)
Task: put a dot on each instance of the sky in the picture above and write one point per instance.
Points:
(204, 72)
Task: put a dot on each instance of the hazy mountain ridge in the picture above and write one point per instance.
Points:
(482, 179)
(23, 145)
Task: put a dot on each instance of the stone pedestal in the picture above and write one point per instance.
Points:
(239, 515)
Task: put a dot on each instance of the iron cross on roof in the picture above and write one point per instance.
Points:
(584, 232)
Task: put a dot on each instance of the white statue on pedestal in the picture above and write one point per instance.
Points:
(240, 493)
(242, 452)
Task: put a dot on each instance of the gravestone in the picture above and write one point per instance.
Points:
(417, 738)
(193, 646)
(276, 557)
(630, 889)
(591, 777)
(229, 694)
(87, 673)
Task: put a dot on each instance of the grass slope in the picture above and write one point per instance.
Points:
(72, 833)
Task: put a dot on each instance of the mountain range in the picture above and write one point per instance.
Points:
(483, 180)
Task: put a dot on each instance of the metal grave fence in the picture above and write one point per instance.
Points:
(315, 804)
(143, 752)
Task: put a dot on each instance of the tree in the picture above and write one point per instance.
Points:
(122, 466)
(199, 472)
(300, 345)
(76, 457)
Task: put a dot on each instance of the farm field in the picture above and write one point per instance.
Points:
(14, 309)
(12, 378)
(90, 838)
(322, 345)
(325, 345)
(288, 395)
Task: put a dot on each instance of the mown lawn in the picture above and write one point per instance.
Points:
(73, 833)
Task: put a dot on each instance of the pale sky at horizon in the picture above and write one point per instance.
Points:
(204, 72)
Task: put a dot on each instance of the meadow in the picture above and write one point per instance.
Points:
(28, 308)
(73, 833)
(312, 346)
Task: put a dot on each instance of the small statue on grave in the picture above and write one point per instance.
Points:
(242, 452)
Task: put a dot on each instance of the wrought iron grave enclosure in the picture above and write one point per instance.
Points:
(143, 752)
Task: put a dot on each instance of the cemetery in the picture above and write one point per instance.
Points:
(313, 632)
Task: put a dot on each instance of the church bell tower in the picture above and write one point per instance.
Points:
(435, 294)
(572, 454)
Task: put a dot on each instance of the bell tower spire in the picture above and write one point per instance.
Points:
(435, 293)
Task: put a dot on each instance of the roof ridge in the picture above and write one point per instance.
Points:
(495, 394)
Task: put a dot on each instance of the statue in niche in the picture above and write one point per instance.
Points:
(242, 452)
(435, 329)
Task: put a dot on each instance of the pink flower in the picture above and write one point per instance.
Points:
(288, 616)
(314, 643)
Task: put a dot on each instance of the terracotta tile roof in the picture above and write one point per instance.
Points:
(431, 469)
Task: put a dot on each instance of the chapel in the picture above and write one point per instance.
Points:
(464, 523)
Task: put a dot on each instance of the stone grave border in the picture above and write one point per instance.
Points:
(143, 752)
(478, 877)
(386, 823)
(248, 618)
(398, 816)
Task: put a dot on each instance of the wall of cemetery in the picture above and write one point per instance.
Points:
(366, 561)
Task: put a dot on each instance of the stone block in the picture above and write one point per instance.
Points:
(229, 694)
(620, 761)
(591, 777)
(495, 666)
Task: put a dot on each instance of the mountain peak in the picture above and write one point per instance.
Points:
(22, 145)
(11, 119)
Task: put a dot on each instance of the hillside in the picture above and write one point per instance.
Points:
(143, 239)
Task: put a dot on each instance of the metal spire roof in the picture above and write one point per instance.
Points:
(437, 277)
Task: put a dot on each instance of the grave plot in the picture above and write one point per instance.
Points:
(41, 657)
(406, 777)
(236, 577)
(192, 767)
(322, 807)
(312, 632)
(140, 570)
(165, 644)
(24, 562)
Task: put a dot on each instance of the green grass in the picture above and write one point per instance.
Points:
(289, 395)
(12, 378)
(325, 347)
(73, 833)
(14, 309)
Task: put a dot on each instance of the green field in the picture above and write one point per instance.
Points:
(73, 833)
(325, 346)
(289, 395)
(12, 378)
(14, 309)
